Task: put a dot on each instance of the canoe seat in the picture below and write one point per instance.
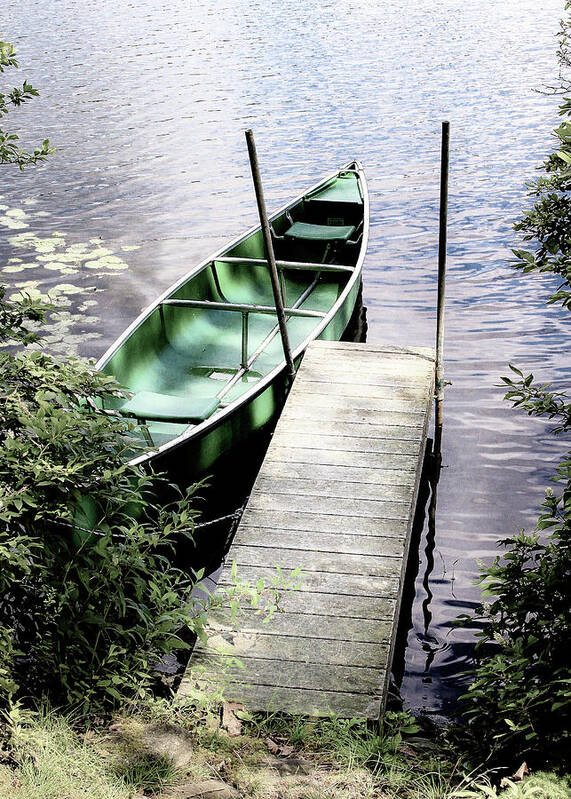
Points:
(150, 406)
(342, 189)
(309, 232)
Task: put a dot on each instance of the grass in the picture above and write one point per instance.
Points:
(148, 772)
(51, 759)
(53, 762)
(276, 757)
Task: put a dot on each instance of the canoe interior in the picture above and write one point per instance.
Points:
(186, 363)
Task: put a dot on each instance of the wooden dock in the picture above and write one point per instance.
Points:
(336, 496)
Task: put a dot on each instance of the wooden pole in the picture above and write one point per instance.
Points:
(439, 395)
(278, 299)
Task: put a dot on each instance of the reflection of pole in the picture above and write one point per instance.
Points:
(429, 553)
(406, 621)
(439, 394)
(278, 299)
(429, 549)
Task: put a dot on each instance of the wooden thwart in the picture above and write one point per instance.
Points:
(335, 496)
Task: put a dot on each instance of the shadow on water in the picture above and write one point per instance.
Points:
(418, 591)
(425, 508)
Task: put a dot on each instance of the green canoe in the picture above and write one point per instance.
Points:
(204, 362)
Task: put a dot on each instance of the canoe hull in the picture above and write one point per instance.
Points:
(187, 341)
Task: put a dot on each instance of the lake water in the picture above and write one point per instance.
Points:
(147, 103)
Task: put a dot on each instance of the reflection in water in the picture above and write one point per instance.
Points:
(406, 624)
(430, 644)
(147, 108)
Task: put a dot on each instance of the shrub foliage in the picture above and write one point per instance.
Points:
(83, 615)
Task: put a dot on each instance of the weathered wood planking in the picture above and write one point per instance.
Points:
(336, 496)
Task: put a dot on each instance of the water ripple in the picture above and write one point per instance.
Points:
(147, 105)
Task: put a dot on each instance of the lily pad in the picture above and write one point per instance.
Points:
(12, 224)
(61, 257)
(14, 268)
(66, 331)
(107, 262)
(68, 288)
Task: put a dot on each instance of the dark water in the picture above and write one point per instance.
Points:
(147, 103)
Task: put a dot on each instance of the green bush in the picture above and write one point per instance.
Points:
(519, 705)
(90, 596)
(83, 616)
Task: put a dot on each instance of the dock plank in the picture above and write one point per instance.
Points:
(339, 582)
(356, 403)
(318, 374)
(330, 457)
(360, 475)
(334, 605)
(268, 483)
(329, 523)
(315, 628)
(266, 646)
(321, 542)
(303, 701)
(343, 443)
(327, 506)
(281, 673)
(359, 430)
(322, 562)
(335, 498)
(388, 396)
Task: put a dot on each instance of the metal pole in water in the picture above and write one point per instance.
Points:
(439, 393)
(269, 251)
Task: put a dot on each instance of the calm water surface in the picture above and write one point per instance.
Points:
(147, 103)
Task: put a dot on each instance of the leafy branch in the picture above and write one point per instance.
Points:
(10, 151)
(538, 400)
